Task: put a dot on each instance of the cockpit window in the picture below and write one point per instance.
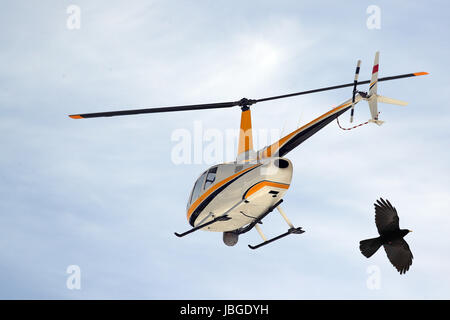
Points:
(210, 177)
(197, 188)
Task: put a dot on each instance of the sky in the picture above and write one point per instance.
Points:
(106, 195)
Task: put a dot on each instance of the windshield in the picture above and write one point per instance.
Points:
(197, 188)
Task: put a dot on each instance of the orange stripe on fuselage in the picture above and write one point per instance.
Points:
(215, 187)
(263, 184)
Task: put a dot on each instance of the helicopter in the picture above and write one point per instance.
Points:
(234, 197)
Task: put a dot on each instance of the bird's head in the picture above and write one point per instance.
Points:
(405, 232)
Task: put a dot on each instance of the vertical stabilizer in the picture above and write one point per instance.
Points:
(372, 99)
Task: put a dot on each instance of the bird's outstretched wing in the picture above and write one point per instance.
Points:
(399, 254)
(386, 217)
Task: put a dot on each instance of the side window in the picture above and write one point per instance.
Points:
(197, 188)
(210, 177)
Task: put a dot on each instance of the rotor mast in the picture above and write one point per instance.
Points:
(245, 142)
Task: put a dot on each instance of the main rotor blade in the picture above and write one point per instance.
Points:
(155, 110)
(407, 75)
(243, 102)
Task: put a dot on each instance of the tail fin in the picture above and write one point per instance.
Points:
(374, 80)
(373, 87)
(373, 106)
(373, 98)
(369, 247)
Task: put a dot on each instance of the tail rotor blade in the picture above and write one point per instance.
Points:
(355, 83)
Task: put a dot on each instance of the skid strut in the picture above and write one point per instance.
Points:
(291, 230)
(258, 220)
(221, 218)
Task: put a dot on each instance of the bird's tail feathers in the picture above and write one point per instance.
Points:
(369, 247)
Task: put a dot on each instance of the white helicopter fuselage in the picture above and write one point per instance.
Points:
(242, 191)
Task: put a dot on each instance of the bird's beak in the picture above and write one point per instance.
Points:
(410, 230)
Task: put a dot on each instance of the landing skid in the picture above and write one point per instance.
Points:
(221, 218)
(291, 230)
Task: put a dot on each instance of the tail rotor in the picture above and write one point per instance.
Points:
(372, 96)
(355, 83)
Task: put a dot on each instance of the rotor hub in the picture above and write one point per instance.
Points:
(244, 103)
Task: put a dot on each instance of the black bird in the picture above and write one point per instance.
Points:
(391, 237)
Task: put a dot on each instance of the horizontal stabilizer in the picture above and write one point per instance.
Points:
(391, 101)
